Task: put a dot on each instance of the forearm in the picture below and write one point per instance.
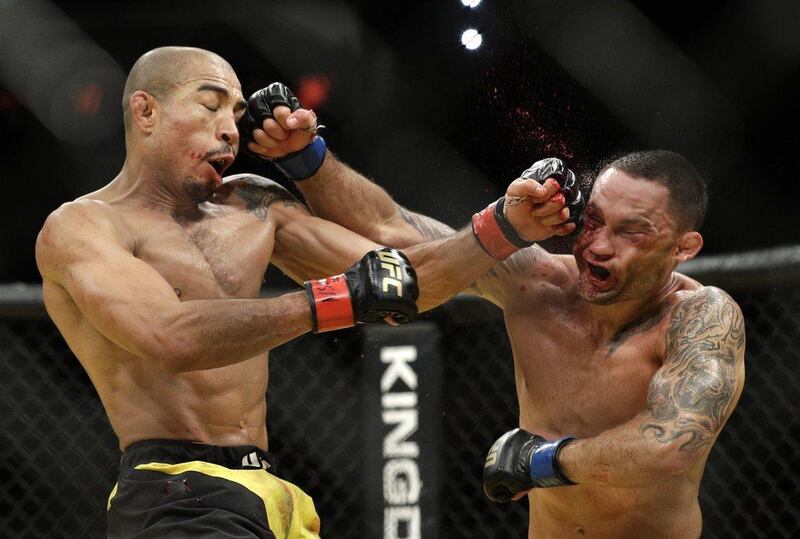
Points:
(341, 195)
(206, 334)
(447, 266)
(623, 457)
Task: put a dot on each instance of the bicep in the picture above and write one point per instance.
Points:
(694, 392)
(307, 247)
(121, 296)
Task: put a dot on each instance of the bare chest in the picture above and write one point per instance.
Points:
(218, 256)
(570, 382)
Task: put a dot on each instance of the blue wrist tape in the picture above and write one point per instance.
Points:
(305, 163)
(544, 466)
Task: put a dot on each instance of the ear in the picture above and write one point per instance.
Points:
(143, 111)
(688, 246)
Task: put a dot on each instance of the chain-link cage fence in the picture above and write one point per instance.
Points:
(58, 458)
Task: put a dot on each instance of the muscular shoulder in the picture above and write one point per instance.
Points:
(72, 230)
(705, 320)
(256, 194)
(705, 301)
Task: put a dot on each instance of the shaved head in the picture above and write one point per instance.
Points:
(160, 70)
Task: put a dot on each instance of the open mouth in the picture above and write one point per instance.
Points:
(598, 272)
(218, 165)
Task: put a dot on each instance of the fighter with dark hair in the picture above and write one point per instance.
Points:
(626, 371)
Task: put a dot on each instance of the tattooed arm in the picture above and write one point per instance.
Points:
(309, 247)
(689, 399)
(341, 195)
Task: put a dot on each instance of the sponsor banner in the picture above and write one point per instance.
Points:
(402, 430)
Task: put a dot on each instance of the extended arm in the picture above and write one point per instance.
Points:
(308, 246)
(133, 306)
(340, 194)
(688, 401)
(444, 266)
(81, 251)
(276, 128)
(283, 132)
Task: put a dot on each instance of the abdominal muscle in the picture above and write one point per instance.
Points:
(666, 509)
(224, 406)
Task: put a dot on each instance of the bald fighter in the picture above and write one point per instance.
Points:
(626, 371)
(154, 281)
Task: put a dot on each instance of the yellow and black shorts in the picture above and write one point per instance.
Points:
(176, 489)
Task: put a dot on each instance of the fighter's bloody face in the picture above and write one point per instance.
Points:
(627, 245)
(197, 138)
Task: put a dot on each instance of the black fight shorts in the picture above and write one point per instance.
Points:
(177, 489)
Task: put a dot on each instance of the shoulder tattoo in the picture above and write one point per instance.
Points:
(690, 396)
(259, 194)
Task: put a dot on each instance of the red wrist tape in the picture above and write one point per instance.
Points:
(489, 234)
(331, 305)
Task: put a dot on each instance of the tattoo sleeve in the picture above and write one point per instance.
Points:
(690, 397)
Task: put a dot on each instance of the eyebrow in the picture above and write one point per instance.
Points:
(636, 221)
(240, 104)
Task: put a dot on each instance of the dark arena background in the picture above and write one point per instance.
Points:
(444, 120)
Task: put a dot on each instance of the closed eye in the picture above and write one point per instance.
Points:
(593, 222)
(212, 109)
(634, 235)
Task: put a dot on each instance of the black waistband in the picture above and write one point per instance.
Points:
(240, 457)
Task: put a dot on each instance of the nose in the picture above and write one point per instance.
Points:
(227, 131)
(601, 247)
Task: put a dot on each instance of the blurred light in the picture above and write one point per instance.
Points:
(313, 91)
(471, 39)
(470, 3)
(68, 88)
(88, 99)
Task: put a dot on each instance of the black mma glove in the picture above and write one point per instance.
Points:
(552, 167)
(519, 461)
(495, 232)
(295, 166)
(381, 284)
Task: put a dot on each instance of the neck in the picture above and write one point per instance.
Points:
(612, 318)
(142, 186)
